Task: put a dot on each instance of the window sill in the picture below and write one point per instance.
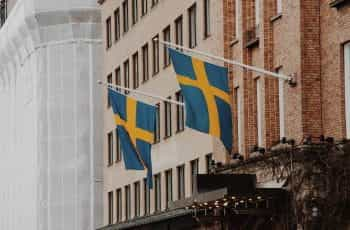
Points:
(252, 43)
(234, 42)
(276, 17)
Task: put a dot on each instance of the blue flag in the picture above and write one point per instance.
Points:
(206, 93)
(135, 125)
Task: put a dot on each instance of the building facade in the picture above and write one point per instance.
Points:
(133, 59)
(50, 119)
(304, 119)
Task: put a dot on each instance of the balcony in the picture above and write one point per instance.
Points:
(252, 37)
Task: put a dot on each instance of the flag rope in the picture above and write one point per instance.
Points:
(114, 87)
(244, 66)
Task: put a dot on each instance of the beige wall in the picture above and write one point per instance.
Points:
(182, 147)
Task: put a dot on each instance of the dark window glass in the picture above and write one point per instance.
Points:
(166, 37)
(125, 16)
(126, 76)
(108, 33)
(181, 182)
(180, 113)
(194, 172)
(110, 207)
(118, 147)
(118, 78)
(135, 11)
(157, 131)
(117, 24)
(144, 7)
(167, 120)
(127, 202)
(169, 186)
(135, 70)
(155, 45)
(3, 12)
(137, 198)
(206, 18)
(208, 159)
(145, 70)
(110, 148)
(119, 206)
(109, 81)
(178, 31)
(192, 26)
(147, 197)
(157, 192)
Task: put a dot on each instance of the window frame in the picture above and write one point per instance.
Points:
(179, 40)
(108, 33)
(135, 11)
(109, 81)
(157, 128)
(208, 160)
(118, 148)
(110, 148)
(155, 54)
(168, 187)
(147, 198)
(168, 118)
(206, 18)
(346, 69)
(110, 207)
(194, 172)
(117, 24)
(127, 190)
(118, 77)
(126, 66)
(192, 26)
(144, 7)
(180, 113)
(167, 38)
(157, 192)
(125, 6)
(181, 182)
(145, 63)
(135, 70)
(119, 205)
(137, 199)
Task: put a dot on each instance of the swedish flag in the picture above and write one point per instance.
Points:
(135, 125)
(206, 93)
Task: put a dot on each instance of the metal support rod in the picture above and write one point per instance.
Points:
(232, 62)
(112, 86)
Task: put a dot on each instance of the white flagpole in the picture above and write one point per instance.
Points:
(113, 86)
(244, 66)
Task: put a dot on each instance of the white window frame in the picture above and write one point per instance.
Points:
(257, 13)
(347, 87)
(237, 6)
(239, 121)
(279, 6)
(281, 107)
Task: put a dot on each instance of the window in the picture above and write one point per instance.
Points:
(145, 69)
(135, 13)
(154, 2)
(166, 37)
(206, 4)
(347, 87)
(259, 107)
(178, 31)
(118, 154)
(237, 10)
(181, 182)
(110, 207)
(110, 148)
(155, 55)
(157, 192)
(3, 12)
(257, 13)
(147, 197)
(126, 76)
(119, 206)
(117, 24)
(238, 103)
(108, 33)
(169, 187)
(167, 114)
(125, 16)
(135, 70)
(279, 6)
(180, 113)
(118, 78)
(144, 7)
(109, 81)
(157, 131)
(137, 198)
(281, 104)
(127, 202)
(194, 172)
(208, 160)
(192, 26)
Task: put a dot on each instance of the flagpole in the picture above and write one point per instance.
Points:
(244, 66)
(113, 86)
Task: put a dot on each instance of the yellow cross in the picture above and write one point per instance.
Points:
(209, 92)
(130, 126)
